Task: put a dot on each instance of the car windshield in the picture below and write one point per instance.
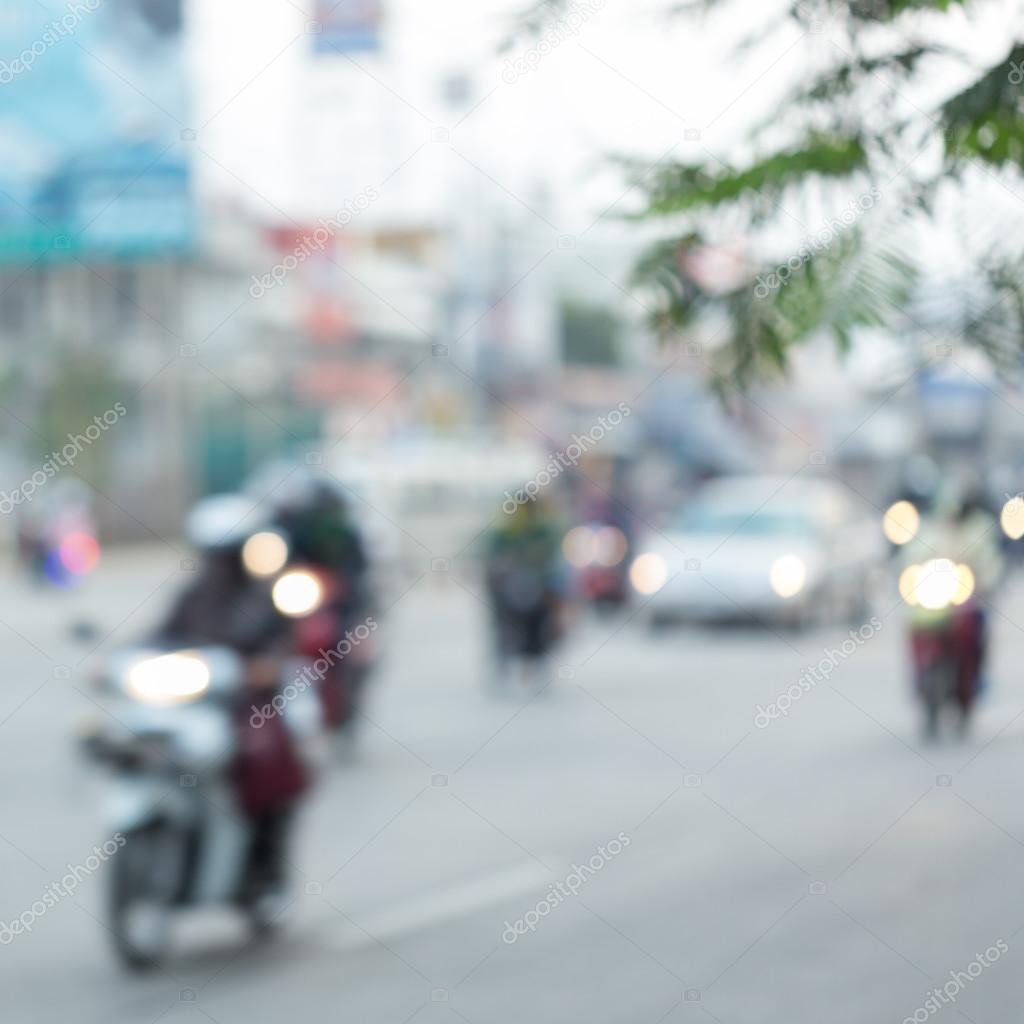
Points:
(746, 522)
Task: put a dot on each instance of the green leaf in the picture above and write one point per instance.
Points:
(986, 120)
(851, 284)
(681, 187)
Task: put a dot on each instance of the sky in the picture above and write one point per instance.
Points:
(626, 82)
(621, 85)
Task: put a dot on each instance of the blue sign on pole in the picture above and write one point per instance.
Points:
(348, 26)
(93, 129)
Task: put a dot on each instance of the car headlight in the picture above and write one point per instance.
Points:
(788, 575)
(297, 593)
(169, 679)
(648, 573)
(901, 522)
(265, 553)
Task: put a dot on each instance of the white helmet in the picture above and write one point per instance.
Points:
(222, 521)
(283, 485)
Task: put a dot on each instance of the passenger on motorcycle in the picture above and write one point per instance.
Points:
(323, 537)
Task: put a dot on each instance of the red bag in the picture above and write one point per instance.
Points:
(269, 773)
(316, 633)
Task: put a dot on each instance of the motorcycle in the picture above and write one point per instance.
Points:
(62, 555)
(340, 666)
(174, 802)
(526, 617)
(308, 596)
(312, 597)
(946, 638)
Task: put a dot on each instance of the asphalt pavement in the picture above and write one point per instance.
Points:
(635, 842)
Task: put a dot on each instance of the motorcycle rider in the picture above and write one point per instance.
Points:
(322, 532)
(226, 606)
(977, 532)
(315, 516)
(525, 581)
(961, 529)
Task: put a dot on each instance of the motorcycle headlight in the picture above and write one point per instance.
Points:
(937, 584)
(901, 522)
(297, 593)
(169, 679)
(964, 584)
(648, 573)
(788, 575)
(265, 553)
(908, 583)
(1011, 519)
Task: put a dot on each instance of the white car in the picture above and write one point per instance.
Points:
(764, 549)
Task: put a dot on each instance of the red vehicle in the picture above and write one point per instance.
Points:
(598, 552)
(336, 652)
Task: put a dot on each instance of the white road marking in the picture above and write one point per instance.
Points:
(456, 901)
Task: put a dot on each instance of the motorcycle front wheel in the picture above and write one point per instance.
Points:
(937, 682)
(140, 897)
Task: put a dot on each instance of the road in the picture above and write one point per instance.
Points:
(827, 866)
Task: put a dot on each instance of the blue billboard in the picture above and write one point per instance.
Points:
(93, 131)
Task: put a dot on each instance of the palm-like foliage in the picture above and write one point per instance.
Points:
(857, 281)
(840, 131)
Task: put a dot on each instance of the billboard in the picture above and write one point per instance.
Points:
(93, 131)
(347, 26)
